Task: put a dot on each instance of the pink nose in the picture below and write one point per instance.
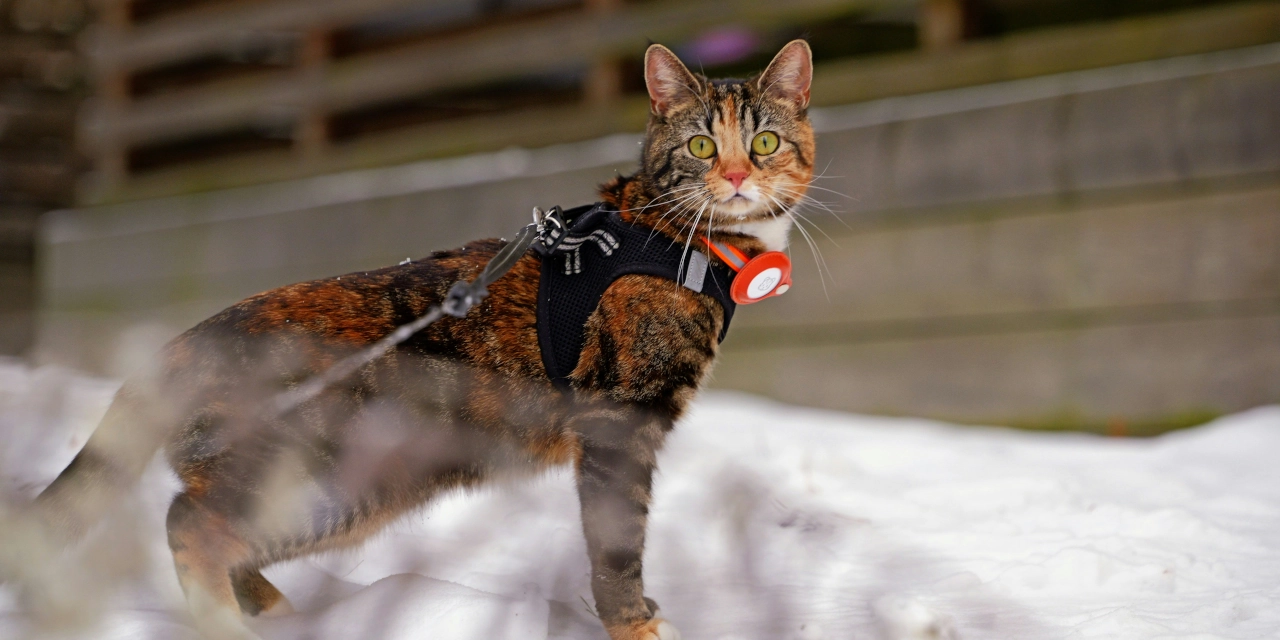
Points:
(736, 177)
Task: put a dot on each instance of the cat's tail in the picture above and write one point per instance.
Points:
(34, 538)
(105, 470)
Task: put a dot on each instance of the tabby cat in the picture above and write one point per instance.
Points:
(466, 400)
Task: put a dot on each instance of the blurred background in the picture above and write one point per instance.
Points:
(1057, 214)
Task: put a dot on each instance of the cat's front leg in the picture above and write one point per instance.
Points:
(615, 473)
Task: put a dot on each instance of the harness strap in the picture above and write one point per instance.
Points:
(732, 256)
(597, 249)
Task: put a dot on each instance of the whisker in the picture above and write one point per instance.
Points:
(801, 216)
(800, 197)
(804, 198)
(693, 230)
(674, 190)
(819, 260)
(824, 172)
(686, 205)
(797, 186)
(678, 213)
(679, 203)
(796, 215)
(659, 200)
(812, 186)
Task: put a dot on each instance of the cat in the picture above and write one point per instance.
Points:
(467, 400)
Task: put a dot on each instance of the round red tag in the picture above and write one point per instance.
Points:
(764, 276)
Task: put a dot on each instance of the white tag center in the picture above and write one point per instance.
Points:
(764, 282)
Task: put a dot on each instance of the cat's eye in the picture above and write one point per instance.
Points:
(765, 143)
(702, 147)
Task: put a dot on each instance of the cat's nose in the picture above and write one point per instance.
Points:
(736, 177)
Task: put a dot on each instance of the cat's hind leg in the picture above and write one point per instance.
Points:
(205, 549)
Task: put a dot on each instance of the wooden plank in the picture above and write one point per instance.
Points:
(469, 59)
(208, 30)
(46, 62)
(35, 119)
(1049, 51)
(41, 182)
(528, 128)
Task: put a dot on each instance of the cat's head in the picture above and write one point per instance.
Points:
(734, 151)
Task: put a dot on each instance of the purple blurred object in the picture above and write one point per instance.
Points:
(722, 45)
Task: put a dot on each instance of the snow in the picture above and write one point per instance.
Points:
(778, 522)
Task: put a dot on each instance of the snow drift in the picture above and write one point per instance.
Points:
(769, 522)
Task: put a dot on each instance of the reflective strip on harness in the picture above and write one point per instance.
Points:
(731, 255)
(696, 271)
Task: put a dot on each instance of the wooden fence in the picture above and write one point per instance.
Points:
(39, 94)
(301, 97)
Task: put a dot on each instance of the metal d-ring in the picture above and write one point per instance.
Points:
(550, 227)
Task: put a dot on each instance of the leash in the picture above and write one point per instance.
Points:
(547, 228)
(755, 279)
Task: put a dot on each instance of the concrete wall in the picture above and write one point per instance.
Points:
(1130, 310)
(1092, 247)
(17, 278)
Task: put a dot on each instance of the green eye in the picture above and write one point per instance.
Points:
(702, 147)
(765, 143)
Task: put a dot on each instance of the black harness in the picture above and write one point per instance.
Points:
(594, 248)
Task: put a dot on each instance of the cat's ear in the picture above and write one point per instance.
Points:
(668, 80)
(789, 75)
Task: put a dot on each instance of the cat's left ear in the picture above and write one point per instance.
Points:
(789, 75)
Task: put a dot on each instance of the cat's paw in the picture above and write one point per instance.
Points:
(663, 630)
(281, 607)
(655, 629)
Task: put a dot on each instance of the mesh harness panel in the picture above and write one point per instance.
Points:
(598, 249)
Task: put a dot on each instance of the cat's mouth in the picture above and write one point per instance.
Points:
(739, 199)
(740, 207)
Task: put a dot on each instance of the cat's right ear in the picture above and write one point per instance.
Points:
(668, 80)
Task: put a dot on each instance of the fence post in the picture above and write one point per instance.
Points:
(311, 131)
(603, 84)
(942, 24)
(107, 150)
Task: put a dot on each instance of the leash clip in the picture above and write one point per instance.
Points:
(462, 296)
(550, 227)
